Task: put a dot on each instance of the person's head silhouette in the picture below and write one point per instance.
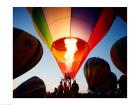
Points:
(74, 81)
(65, 84)
(60, 82)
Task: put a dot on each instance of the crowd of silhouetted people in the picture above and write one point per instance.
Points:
(35, 88)
(65, 89)
(117, 89)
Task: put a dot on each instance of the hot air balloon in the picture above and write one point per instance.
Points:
(97, 74)
(32, 88)
(71, 33)
(118, 54)
(27, 51)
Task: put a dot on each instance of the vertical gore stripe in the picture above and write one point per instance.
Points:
(41, 23)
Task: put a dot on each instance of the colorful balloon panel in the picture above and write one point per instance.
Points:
(27, 52)
(55, 24)
(97, 73)
(118, 54)
(58, 20)
(84, 23)
(41, 26)
(83, 20)
(103, 25)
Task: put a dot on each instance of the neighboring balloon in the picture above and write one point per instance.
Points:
(27, 51)
(121, 12)
(97, 73)
(118, 54)
(71, 33)
(32, 88)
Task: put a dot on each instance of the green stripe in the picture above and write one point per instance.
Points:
(41, 23)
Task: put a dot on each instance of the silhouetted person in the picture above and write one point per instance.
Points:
(66, 89)
(48, 94)
(60, 89)
(55, 92)
(101, 90)
(112, 92)
(123, 86)
(74, 88)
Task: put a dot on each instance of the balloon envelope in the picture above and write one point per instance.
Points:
(87, 25)
(97, 73)
(118, 54)
(32, 88)
(27, 51)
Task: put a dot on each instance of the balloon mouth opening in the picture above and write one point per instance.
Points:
(67, 75)
(60, 41)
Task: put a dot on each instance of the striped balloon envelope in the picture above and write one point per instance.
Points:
(97, 73)
(71, 32)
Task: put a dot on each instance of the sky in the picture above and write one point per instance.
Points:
(47, 68)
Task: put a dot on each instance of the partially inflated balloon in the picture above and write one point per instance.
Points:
(27, 51)
(118, 54)
(32, 88)
(97, 73)
(71, 33)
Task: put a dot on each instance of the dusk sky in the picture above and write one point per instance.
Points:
(47, 68)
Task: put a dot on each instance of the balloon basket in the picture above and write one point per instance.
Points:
(67, 79)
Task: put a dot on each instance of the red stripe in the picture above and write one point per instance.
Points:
(102, 27)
